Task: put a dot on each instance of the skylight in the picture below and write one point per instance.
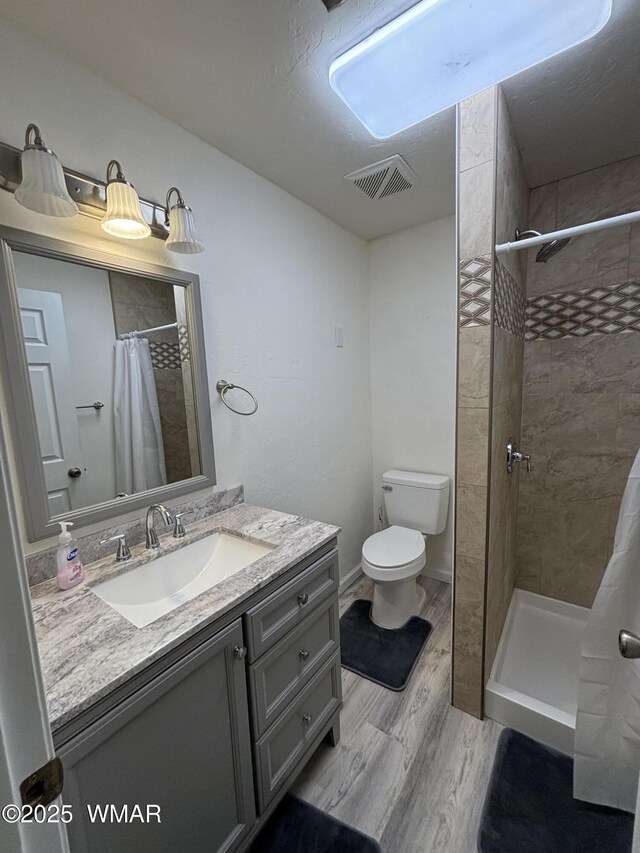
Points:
(440, 52)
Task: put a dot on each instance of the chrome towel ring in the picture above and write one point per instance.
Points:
(222, 386)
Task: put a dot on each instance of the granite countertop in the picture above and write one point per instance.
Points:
(87, 649)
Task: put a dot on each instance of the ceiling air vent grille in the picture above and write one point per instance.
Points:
(385, 178)
(372, 183)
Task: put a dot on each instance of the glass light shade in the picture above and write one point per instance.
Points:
(43, 187)
(183, 235)
(440, 52)
(124, 216)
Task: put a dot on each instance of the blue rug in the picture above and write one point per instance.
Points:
(297, 827)
(530, 806)
(385, 656)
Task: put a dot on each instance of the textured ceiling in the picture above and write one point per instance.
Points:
(581, 109)
(250, 78)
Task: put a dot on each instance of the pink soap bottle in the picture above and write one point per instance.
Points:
(70, 569)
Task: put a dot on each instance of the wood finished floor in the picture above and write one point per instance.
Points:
(410, 770)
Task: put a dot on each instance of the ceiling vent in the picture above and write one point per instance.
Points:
(385, 178)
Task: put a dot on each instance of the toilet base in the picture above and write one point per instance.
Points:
(396, 602)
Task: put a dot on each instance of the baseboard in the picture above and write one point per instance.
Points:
(438, 574)
(350, 577)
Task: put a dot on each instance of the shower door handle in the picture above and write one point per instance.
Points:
(629, 645)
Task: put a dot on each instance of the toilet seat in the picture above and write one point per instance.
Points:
(394, 554)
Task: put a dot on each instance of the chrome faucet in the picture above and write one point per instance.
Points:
(151, 536)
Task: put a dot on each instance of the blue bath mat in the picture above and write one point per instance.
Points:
(385, 656)
(297, 827)
(530, 806)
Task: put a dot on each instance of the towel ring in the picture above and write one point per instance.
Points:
(222, 386)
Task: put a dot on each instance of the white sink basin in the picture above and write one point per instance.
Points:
(149, 591)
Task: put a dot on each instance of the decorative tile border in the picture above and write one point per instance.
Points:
(165, 355)
(576, 313)
(183, 340)
(169, 355)
(475, 291)
(510, 304)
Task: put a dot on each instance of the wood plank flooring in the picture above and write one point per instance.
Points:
(410, 770)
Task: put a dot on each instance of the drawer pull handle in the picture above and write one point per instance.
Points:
(307, 719)
(303, 598)
(304, 654)
(240, 652)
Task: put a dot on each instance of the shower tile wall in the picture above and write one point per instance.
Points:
(476, 198)
(492, 198)
(187, 379)
(581, 408)
(512, 203)
(142, 304)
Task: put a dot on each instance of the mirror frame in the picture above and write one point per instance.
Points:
(19, 400)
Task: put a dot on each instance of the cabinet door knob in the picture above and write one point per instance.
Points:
(240, 652)
(303, 598)
(307, 719)
(304, 654)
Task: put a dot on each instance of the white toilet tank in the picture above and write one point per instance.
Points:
(419, 501)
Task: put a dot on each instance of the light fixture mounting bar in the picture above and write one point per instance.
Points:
(88, 193)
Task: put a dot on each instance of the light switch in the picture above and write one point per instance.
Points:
(339, 336)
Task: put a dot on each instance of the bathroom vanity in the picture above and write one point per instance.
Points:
(209, 711)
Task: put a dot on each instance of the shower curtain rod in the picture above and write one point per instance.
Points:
(154, 329)
(600, 225)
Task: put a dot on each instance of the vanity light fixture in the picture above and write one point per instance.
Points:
(183, 235)
(42, 188)
(124, 216)
(440, 52)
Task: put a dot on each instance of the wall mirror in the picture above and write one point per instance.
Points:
(104, 366)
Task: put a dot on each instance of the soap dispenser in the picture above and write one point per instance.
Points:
(70, 568)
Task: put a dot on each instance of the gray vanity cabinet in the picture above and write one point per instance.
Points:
(185, 737)
(293, 638)
(181, 742)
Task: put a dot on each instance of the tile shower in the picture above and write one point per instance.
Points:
(139, 303)
(581, 405)
(548, 354)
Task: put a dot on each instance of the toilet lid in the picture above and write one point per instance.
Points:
(394, 546)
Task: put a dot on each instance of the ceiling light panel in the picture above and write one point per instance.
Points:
(440, 52)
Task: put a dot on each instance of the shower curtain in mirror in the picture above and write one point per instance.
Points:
(140, 463)
(607, 745)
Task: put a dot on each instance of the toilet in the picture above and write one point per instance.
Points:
(416, 506)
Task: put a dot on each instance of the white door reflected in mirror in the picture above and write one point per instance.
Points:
(47, 349)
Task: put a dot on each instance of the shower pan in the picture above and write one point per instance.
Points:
(533, 686)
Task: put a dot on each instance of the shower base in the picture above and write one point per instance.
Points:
(533, 686)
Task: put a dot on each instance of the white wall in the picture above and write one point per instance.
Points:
(88, 318)
(276, 278)
(413, 352)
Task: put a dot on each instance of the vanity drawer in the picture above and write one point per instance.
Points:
(282, 672)
(278, 752)
(270, 620)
